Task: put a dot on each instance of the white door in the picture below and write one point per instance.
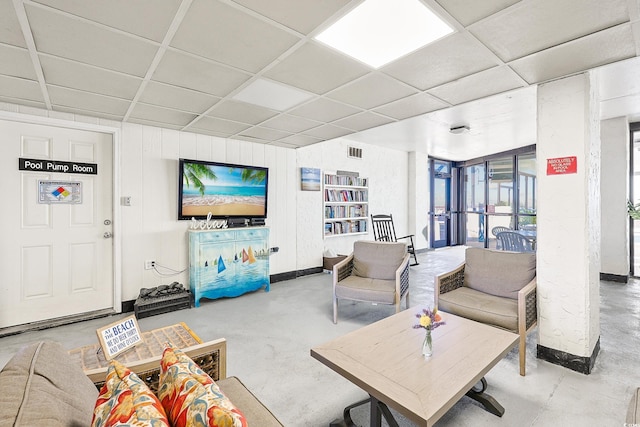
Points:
(56, 260)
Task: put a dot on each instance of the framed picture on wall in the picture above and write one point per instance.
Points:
(310, 179)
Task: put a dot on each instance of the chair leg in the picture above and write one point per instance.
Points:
(522, 350)
(335, 310)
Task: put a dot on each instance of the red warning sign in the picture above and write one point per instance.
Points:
(562, 165)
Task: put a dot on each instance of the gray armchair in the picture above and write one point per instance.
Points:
(376, 272)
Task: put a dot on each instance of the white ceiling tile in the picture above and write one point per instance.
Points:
(316, 68)
(90, 113)
(14, 87)
(300, 15)
(74, 75)
(125, 15)
(613, 44)
(434, 64)
(249, 43)
(57, 34)
(178, 98)
(327, 132)
(10, 31)
(362, 121)
(410, 106)
(300, 140)
(264, 133)
(619, 79)
(222, 127)
(154, 123)
(64, 97)
(480, 85)
(16, 62)
(164, 115)
(246, 113)
(532, 26)
(187, 71)
(23, 102)
(371, 91)
(288, 123)
(324, 110)
(466, 12)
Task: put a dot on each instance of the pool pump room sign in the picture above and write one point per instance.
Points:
(40, 165)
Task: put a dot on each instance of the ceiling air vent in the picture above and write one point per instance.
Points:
(354, 153)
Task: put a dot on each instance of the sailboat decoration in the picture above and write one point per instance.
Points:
(252, 258)
(245, 256)
(221, 266)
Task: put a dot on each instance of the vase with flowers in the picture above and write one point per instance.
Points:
(428, 320)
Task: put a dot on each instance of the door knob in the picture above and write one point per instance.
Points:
(107, 235)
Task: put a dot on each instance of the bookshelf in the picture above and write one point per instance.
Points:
(346, 205)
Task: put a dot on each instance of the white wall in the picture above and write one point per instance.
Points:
(387, 171)
(614, 134)
(148, 165)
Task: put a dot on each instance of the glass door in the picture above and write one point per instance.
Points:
(440, 214)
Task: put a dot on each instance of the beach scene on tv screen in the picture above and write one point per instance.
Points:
(223, 190)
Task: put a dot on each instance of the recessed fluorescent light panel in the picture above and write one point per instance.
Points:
(380, 31)
(272, 95)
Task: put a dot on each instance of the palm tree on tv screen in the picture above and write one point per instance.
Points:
(253, 175)
(194, 173)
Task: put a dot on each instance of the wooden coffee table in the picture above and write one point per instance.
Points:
(385, 359)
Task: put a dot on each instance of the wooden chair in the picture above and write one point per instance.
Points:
(384, 231)
(376, 272)
(514, 242)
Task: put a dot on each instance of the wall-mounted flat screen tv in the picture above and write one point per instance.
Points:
(225, 190)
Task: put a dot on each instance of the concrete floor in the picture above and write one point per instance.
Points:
(269, 336)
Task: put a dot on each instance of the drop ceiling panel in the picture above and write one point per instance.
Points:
(372, 91)
(619, 79)
(74, 75)
(18, 88)
(601, 48)
(324, 110)
(316, 69)
(152, 112)
(10, 31)
(195, 73)
(89, 113)
(362, 121)
(125, 15)
(300, 140)
(241, 111)
(536, 25)
(300, 15)
(178, 98)
(466, 12)
(265, 134)
(410, 106)
(16, 62)
(57, 34)
(480, 85)
(434, 64)
(220, 126)
(291, 124)
(327, 132)
(154, 123)
(64, 97)
(226, 34)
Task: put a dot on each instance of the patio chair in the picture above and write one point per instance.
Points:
(514, 242)
(376, 272)
(384, 231)
(496, 230)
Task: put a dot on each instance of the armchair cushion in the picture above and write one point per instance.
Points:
(481, 307)
(377, 260)
(367, 289)
(498, 273)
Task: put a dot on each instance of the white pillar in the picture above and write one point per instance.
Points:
(568, 243)
(614, 184)
(418, 208)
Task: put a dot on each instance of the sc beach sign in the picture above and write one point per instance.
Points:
(119, 337)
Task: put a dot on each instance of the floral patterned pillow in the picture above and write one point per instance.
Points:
(190, 397)
(125, 400)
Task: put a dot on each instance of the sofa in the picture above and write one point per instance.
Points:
(497, 288)
(43, 385)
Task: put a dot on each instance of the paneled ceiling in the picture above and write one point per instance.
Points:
(179, 63)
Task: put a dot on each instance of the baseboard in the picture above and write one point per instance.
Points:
(293, 274)
(619, 278)
(581, 364)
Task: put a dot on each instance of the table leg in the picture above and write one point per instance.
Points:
(376, 411)
(490, 404)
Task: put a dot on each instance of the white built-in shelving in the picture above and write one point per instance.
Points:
(346, 205)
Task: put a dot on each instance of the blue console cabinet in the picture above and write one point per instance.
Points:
(228, 262)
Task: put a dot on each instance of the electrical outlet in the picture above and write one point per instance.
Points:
(148, 265)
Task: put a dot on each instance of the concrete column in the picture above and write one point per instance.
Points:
(418, 203)
(614, 185)
(568, 244)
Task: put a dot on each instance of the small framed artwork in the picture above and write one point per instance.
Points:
(310, 179)
(119, 336)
